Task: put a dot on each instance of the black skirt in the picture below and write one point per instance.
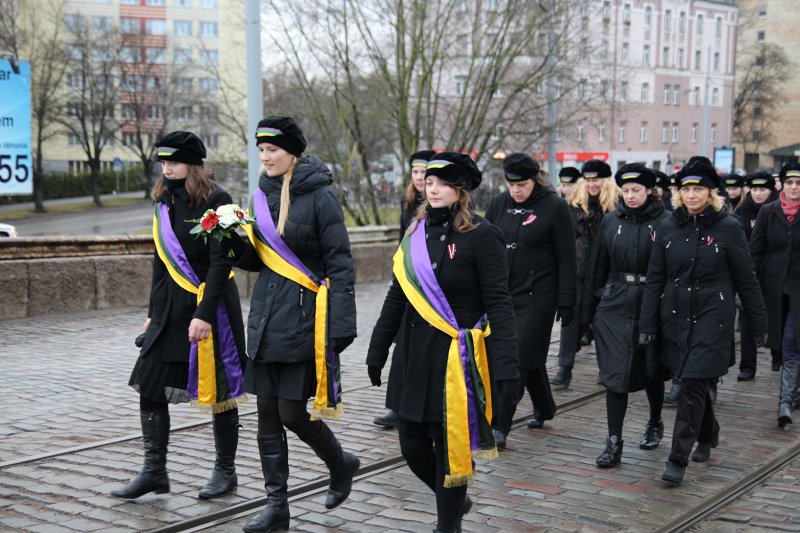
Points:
(160, 381)
(287, 381)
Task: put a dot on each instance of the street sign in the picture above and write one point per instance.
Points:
(116, 164)
(16, 164)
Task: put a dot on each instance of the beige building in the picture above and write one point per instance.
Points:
(659, 64)
(771, 22)
(177, 66)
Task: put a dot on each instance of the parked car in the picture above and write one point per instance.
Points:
(7, 230)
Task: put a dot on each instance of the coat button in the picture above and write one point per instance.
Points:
(434, 265)
(427, 236)
(442, 238)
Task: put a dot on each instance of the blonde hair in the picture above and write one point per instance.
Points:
(199, 185)
(462, 213)
(286, 200)
(714, 200)
(609, 195)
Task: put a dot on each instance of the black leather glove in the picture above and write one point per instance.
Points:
(340, 344)
(233, 246)
(139, 341)
(566, 315)
(760, 340)
(374, 373)
(646, 338)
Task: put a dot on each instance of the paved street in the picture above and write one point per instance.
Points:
(64, 380)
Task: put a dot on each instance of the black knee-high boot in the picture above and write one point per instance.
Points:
(153, 477)
(226, 439)
(342, 465)
(275, 467)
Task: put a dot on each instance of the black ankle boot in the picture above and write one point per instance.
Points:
(226, 439)
(563, 377)
(275, 467)
(702, 452)
(536, 421)
(671, 398)
(153, 477)
(673, 474)
(499, 439)
(612, 455)
(387, 420)
(342, 465)
(653, 434)
(464, 510)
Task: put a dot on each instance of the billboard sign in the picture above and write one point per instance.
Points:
(724, 159)
(16, 164)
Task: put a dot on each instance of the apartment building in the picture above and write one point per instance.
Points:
(172, 59)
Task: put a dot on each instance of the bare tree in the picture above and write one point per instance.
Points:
(761, 73)
(34, 34)
(389, 76)
(92, 59)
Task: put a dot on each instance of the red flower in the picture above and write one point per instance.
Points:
(209, 221)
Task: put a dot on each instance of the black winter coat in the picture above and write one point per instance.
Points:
(540, 252)
(280, 327)
(408, 212)
(747, 212)
(474, 281)
(173, 308)
(622, 246)
(775, 246)
(586, 226)
(697, 264)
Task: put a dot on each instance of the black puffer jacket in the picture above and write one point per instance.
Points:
(697, 264)
(171, 307)
(541, 262)
(613, 292)
(280, 327)
(474, 281)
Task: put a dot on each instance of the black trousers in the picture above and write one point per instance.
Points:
(425, 457)
(694, 419)
(538, 385)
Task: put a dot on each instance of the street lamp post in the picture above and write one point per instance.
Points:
(255, 90)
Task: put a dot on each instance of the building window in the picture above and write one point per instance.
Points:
(211, 140)
(665, 56)
(762, 11)
(209, 57)
(128, 113)
(584, 48)
(694, 132)
(648, 16)
(624, 53)
(155, 2)
(719, 27)
(73, 140)
(182, 56)
(184, 112)
(153, 83)
(130, 2)
(74, 81)
(626, 13)
(182, 3)
(757, 112)
(601, 130)
(102, 24)
(460, 85)
(155, 56)
(645, 96)
(490, 5)
(716, 61)
(646, 55)
(680, 58)
(674, 132)
(208, 28)
(102, 54)
(74, 109)
(130, 83)
(715, 96)
(714, 132)
(209, 4)
(622, 127)
(667, 93)
(129, 138)
(208, 85)
(696, 95)
(184, 85)
(130, 25)
(182, 27)
(643, 133)
(755, 136)
(682, 23)
(760, 36)
(699, 26)
(582, 88)
(604, 88)
(130, 54)
(668, 20)
(606, 10)
(623, 91)
(581, 130)
(155, 112)
(665, 132)
(676, 95)
(604, 50)
(208, 112)
(155, 27)
(698, 59)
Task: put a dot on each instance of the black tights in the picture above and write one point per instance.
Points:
(146, 404)
(275, 413)
(425, 457)
(617, 406)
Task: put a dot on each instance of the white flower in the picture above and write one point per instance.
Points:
(228, 209)
(228, 220)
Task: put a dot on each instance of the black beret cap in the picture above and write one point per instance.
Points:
(455, 169)
(662, 180)
(790, 170)
(569, 175)
(733, 180)
(594, 168)
(283, 132)
(520, 167)
(698, 171)
(761, 179)
(635, 173)
(421, 158)
(181, 146)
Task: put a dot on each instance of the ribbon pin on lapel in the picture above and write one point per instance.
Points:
(451, 250)
(530, 220)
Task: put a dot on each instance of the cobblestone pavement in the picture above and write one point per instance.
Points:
(64, 379)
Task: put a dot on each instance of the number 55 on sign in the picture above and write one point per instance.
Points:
(16, 174)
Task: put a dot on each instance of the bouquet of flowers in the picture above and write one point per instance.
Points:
(220, 223)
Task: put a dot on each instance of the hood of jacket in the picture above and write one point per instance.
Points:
(310, 174)
(650, 210)
(707, 217)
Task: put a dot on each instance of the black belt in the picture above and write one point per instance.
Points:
(628, 277)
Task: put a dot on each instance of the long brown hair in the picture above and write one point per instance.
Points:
(199, 185)
(463, 216)
(410, 197)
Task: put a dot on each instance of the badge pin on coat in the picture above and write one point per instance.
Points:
(451, 250)
(652, 233)
(709, 240)
(530, 220)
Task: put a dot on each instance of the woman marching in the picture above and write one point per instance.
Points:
(450, 281)
(594, 196)
(567, 181)
(302, 313)
(194, 315)
(613, 295)
(775, 245)
(540, 250)
(699, 260)
(762, 191)
(412, 199)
